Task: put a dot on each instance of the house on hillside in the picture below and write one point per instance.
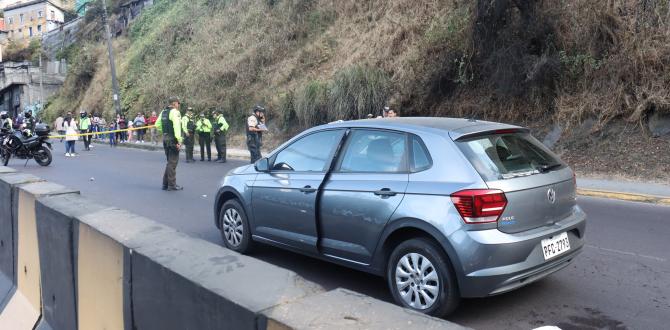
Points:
(31, 19)
(80, 6)
(130, 9)
(65, 4)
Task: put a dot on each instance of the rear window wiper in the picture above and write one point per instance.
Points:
(548, 167)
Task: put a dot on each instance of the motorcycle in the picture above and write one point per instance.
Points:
(26, 145)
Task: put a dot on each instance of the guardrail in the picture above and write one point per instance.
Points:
(67, 262)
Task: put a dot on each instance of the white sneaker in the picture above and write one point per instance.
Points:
(136, 142)
(67, 154)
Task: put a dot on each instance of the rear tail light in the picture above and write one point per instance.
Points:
(479, 205)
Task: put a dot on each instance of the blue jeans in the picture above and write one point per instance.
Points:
(69, 146)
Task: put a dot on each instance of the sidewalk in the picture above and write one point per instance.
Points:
(230, 152)
(612, 189)
(624, 190)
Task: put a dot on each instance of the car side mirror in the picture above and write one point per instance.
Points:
(262, 165)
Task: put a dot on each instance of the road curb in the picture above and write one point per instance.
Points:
(624, 196)
(240, 154)
(233, 153)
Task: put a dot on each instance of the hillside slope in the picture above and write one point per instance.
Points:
(596, 72)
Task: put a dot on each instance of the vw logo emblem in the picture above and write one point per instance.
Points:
(551, 195)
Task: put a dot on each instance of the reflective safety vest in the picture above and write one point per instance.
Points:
(203, 125)
(166, 123)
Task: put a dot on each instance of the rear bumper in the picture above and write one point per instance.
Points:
(495, 262)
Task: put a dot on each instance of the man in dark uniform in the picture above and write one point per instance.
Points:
(29, 122)
(204, 129)
(188, 128)
(169, 123)
(255, 128)
(220, 128)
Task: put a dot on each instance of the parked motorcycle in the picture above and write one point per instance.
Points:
(26, 145)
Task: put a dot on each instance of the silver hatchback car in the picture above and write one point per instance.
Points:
(441, 208)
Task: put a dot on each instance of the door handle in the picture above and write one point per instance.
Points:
(307, 189)
(385, 192)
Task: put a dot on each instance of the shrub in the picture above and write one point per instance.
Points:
(357, 91)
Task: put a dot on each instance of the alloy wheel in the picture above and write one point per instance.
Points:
(233, 228)
(417, 281)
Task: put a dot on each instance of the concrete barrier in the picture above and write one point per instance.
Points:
(344, 309)
(24, 307)
(6, 242)
(58, 238)
(9, 299)
(82, 265)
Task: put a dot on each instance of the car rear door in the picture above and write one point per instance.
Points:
(540, 189)
(284, 200)
(363, 191)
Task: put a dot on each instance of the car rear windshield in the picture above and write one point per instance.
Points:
(504, 156)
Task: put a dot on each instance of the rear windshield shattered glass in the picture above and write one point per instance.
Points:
(504, 156)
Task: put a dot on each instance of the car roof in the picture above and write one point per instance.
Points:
(455, 127)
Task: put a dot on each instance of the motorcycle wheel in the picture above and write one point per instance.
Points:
(43, 156)
(5, 155)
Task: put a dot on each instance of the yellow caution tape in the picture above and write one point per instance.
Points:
(101, 133)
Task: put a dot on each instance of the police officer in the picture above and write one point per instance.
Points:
(188, 128)
(29, 122)
(220, 129)
(5, 121)
(255, 128)
(85, 128)
(204, 129)
(169, 123)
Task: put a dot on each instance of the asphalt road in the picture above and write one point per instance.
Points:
(621, 280)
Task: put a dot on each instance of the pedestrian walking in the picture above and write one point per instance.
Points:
(70, 126)
(220, 129)
(188, 129)
(204, 129)
(85, 128)
(151, 122)
(169, 123)
(255, 128)
(58, 125)
(140, 122)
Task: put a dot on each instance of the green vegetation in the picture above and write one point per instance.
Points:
(314, 61)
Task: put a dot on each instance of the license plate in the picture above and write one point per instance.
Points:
(555, 246)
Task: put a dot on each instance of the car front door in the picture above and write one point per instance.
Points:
(284, 200)
(364, 189)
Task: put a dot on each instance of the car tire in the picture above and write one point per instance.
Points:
(235, 227)
(410, 287)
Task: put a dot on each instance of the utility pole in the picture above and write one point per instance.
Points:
(41, 81)
(112, 66)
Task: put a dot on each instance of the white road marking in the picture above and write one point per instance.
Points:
(632, 254)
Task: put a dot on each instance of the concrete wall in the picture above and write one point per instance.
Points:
(71, 263)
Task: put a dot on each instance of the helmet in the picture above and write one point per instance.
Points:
(3, 115)
(258, 108)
